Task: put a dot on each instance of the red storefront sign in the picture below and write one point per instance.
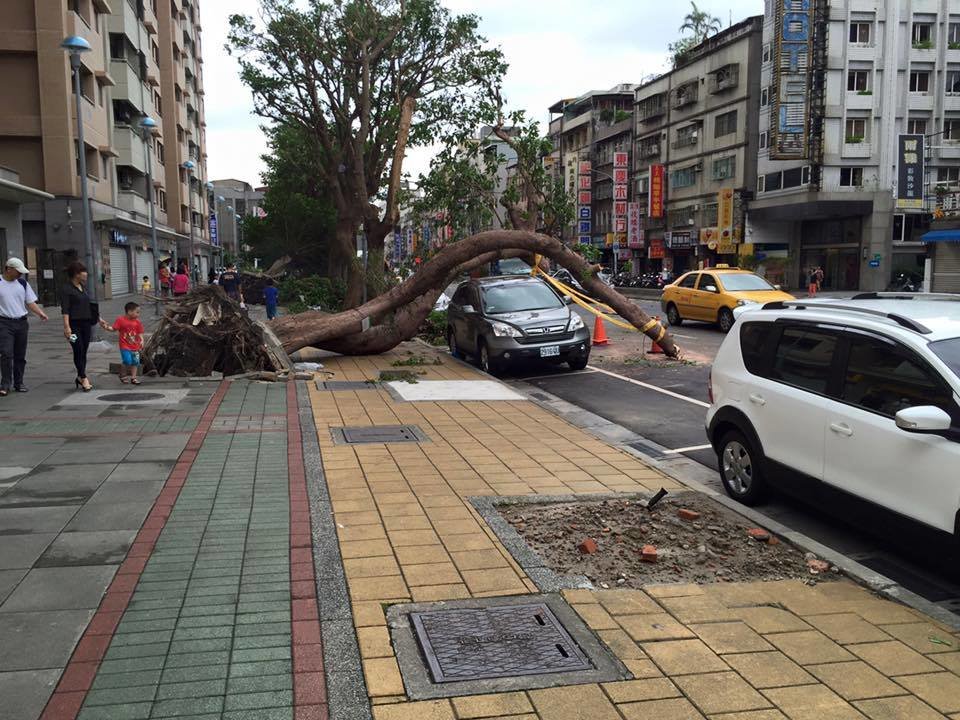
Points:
(655, 209)
(621, 160)
(656, 249)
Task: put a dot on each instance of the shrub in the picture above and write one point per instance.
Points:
(300, 294)
(434, 328)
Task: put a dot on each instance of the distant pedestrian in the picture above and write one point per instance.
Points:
(211, 275)
(17, 298)
(230, 282)
(270, 296)
(130, 329)
(818, 273)
(181, 282)
(78, 320)
(812, 283)
(145, 285)
(165, 278)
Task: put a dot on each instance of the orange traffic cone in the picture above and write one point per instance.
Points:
(599, 333)
(656, 349)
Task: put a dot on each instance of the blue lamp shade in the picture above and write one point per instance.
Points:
(148, 123)
(221, 198)
(75, 44)
(209, 186)
(188, 165)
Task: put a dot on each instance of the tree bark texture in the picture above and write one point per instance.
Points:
(352, 332)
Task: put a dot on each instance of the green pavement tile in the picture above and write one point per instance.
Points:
(180, 707)
(210, 573)
(258, 655)
(271, 628)
(139, 603)
(260, 683)
(211, 620)
(194, 673)
(197, 608)
(122, 652)
(135, 625)
(194, 689)
(135, 615)
(106, 680)
(252, 701)
(133, 711)
(194, 594)
(267, 596)
(130, 665)
(200, 646)
(121, 696)
(262, 641)
(247, 607)
(261, 667)
(194, 659)
(122, 639)
(258, 587)
(264, 617)
(207, 632)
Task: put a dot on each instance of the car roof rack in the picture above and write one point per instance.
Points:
(906, 296)
(900, 320)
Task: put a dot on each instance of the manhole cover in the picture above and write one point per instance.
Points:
(494, 642)
(337, 385)
(130, 397)
(378, 434)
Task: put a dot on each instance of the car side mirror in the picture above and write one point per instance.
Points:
(778, 287)
(923, 419)
(711, 288)
(567, 300)
(467, 309)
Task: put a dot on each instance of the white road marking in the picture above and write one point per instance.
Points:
(685, 337)
(648, 386)
(679, 451)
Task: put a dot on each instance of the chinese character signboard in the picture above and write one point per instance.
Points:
(655, 196)
(725, 214)
(634, 231)
(586, 182)
(585, 227)
(214, 237)
(679, 239)
(619, 192)
(620, 225)
(620, 209)
(910, 172)
(656, 249)
(585, 167)
(792, 73)
(584, 213)
(584, 199)
(620, 160)
(620, 176)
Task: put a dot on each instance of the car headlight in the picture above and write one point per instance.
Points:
(576, 322)
(746, 302)
(504, 330)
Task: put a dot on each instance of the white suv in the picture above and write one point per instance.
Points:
(860, 396)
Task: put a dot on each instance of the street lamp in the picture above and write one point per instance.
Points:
(236, 241)
(75, 46)
(189, 166)
(148, 127)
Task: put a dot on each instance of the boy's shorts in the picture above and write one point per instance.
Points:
(130, 357)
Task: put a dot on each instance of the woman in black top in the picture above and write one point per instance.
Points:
(77, 320)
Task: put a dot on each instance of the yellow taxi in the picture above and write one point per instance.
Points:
(711, 295)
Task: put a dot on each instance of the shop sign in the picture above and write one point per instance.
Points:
(585, 167)
(214, 237)
(118, 238)
(910, 172)
(585, 227)
(620, 225)
(634, 229)
(586, 182)
(655, 196)
(584, 239)
(619, 192)
(655, 251)
(678, 239)
(791, 90)
(620, 160)
(727, 247)
(608, 239)
(585, 197)
(708, 235)
(725, 214)
(620, 208)
(584, 212)
(620, 176)
(625, 254)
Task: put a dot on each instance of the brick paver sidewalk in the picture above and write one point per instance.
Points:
(761, 651)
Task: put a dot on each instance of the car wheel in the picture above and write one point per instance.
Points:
(452, 344)
(673, 315)
(579, 363)
(740, 469)
(725, 319)
(486, 364)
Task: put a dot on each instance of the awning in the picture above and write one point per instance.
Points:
(15, 192)
(941, 236)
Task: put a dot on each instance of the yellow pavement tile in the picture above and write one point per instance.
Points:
(596, 617)
(423, 710)
(722, 692)
(580, 596)
(474, 541)
(449, 513)
(751, 715)
(771, 620)
(368, 613)
(361, 532)
(730, 637)
(627, 602)
(342, 506)
(739, 594)
(479, 559)
(881, 612)
(951, 661)
(634, 690)
(377, 588)
(394, 498)
(575, 702)
(656, 626)
(621, 644)
(374, 642)
(406, 522)
(431, 593)
(431, 574)
(921, 637)
(684, 657)
(371, 567)
(349, 519)
(402, 509)
(487, 706)
(697, 609)
(642, 668)
(445, 528)
(855, 680)
(673, 709)
(400, 538)
(383, 677)
(812, 702)
(421, 554)
(941, 690)
(847, 628)
(769, 670)
(438, 501)
(906, 707)
(673, 590)
(489, 581)
(809, 647)
(893, 658)
(365, 548)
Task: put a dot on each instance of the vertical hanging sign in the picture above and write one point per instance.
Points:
(585, 202)
(655, 196)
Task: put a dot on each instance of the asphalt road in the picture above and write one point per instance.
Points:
(666, 404)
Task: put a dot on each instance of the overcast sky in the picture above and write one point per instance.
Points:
(556, 49)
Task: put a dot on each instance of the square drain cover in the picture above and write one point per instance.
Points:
(378, 434)
(337, 385)
(495, 642)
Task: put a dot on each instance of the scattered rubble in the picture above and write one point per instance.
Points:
(686, 538)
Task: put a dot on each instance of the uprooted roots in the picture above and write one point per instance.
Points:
(206, 332)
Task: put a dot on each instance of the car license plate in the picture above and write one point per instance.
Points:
(550, 351)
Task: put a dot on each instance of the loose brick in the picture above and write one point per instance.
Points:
(588, 547)
(685, 514)
(648, 554)
(759, 534)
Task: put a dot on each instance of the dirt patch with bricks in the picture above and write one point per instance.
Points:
(683, 538)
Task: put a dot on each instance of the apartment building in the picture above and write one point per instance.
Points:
(232, 200)
(842, 81)
(694, 152)
(145, 61)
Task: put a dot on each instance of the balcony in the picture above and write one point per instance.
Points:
(130, 148)
(685, 141)
(862, 100)
(128, 84)
(649, 151)
(133, 202)
(646, 111)
(686, 95)
(856, 148)
(726, 78)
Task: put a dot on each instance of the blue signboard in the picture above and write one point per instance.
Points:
(214, 238)
(874, 263)
(585, 226)
(584, 239)
(584, 212)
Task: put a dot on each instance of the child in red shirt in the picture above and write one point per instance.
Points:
(131, 341)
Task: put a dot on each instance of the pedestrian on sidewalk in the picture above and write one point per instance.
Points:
(230, 282)
(180, 282)
(17, 298)
(812, 282)
(130, 329)
(165, 278)
(79, 317)
(270, 297)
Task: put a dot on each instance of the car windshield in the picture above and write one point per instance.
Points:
(744, 282)
(516, 297)
(949, 352)
(514, 266)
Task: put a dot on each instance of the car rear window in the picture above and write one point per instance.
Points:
(755, 339)
(949, 352)
(804, 358)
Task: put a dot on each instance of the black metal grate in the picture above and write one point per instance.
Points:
(496, 641)
(378, 434)
(337, 385)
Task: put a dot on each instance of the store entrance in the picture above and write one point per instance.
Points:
(841, 267)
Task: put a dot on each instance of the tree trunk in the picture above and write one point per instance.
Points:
(342, 252)
(412, 299)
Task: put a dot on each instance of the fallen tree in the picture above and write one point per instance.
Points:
(391, 318)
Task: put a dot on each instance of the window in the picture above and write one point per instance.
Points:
(725, 124)
(155, 49)
(774, 181)
(856, 130)
(766, 53)
(883, 378)
(948, 176)
(919, 81)
(923, 35)
(951, 129)
(689, 281)
(685, 177)
(803, 359)
(761, 183)
(917, 126)
(687, 136)
(860, 33)
(706, 280)
(764, 97)
(953, 82)
(160, 152)
(949, 352)
(118, 47)
(755, 338)
(518, 297)
(953, 36)
(858, 81)
(162, 199)
(725, 168)
(851, 177)
(793, 177)
(764, 139)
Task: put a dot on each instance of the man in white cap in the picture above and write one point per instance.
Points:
(16, 299)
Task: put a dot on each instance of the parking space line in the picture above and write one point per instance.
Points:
(680, 451)
(557, 375)
(648, 386)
